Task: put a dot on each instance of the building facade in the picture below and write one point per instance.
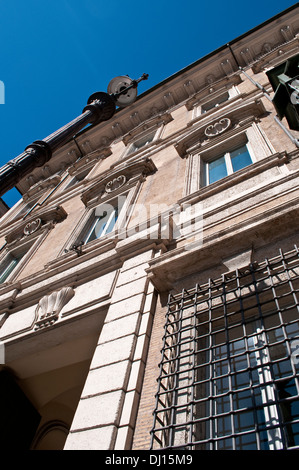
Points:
(149, 275)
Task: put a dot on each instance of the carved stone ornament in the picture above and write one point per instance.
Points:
(115, 183)
(50, 306)
(32, 227)
(218, 127)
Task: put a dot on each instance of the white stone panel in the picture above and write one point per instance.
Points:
(106, 379)
(124, 438)
(98, 410)
(92, 439)
(91, 293)
(18, 322)
(129, 409)
(114, 351)
(125, 307)
(128, 290)
(123, 327)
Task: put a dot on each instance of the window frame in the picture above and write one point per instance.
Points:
(132, 149)
(229, 342)
(76, 179)
(24, 251)
(88, 222)
(228, 163)
(214, 101)
(94, 219)
(9, 259)
(198, 154)
(120, 181)
(155, 130)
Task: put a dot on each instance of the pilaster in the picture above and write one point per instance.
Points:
(106, 414)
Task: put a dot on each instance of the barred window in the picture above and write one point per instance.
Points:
(229, 377)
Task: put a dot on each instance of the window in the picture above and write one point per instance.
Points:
(76, 179)
(8, 265)
(215, 103)
(229, 375)
(142, 142)
(227, 164)
(104, 220)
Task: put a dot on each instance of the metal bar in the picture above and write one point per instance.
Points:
(232, 376)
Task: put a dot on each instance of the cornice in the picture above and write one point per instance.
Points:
(264, 45)
(119, 176)
(89, 160)
(48, 183)
(235, 116)
(148, 125)
(180, 263)
(250, 171)
(213, 87)
(34, 223)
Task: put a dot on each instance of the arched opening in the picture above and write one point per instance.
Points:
(50, 369)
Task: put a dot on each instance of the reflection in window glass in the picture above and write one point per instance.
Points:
(217, 170)
(227, 164)
(214, 103)
(240, 158)
(8, 266)
(142, 142)
(104, 219)
(228, 379)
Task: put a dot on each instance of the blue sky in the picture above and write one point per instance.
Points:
(56, 53)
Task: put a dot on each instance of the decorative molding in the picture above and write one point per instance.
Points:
(239, 115)
(32, 227)
(210, 79)
(227, 67)
(219, 87)
(147, 126)
(189, 88)
(50, 306)
(218, 127)
(48, 217)
(87, 147)
(89, 160)
(247, 56)
(287, 33)
(48, 183)
(117, 130)
(135, 119)
(117, 177)
(115, 183)
(169, 99)
(272, 55)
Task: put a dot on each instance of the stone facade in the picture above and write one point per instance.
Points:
(103, 235)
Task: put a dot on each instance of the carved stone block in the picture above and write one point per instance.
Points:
(50, 306)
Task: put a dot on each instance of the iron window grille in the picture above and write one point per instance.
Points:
(229, 371)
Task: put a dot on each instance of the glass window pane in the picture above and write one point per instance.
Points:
(141, 142)
(8, 267)
(103, 224)
(240, 158)
(215, 103)
(217, 170)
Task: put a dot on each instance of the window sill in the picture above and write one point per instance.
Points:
(237, 177)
